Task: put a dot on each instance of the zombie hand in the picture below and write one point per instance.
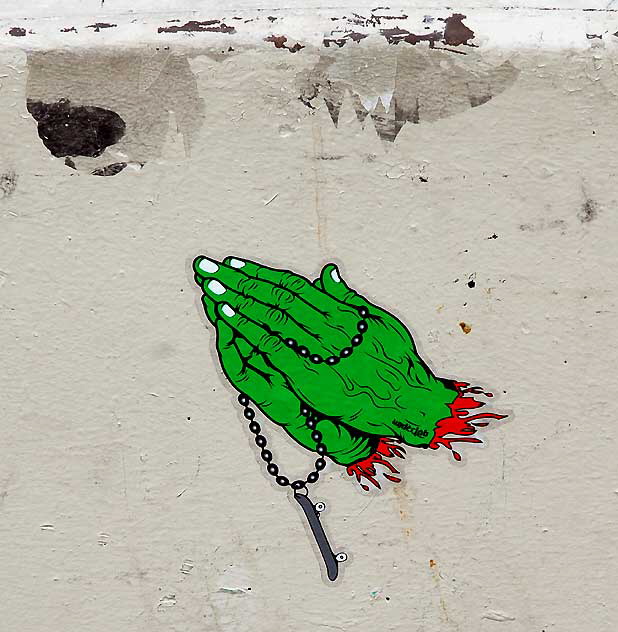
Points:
(289, 344)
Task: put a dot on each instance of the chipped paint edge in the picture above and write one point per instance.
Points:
(493, 28)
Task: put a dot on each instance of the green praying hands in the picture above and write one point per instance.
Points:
(292, 345)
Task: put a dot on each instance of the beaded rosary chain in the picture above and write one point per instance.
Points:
(267, 456)
(311, 416)
(346, 352)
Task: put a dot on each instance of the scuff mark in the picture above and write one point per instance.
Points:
(75, 130)
(187, 566)
(8, 183)
(17, 31)
(166, 602)
(280, 42)
(109, 170)
(493, 615)
(195, 26)
(69, 29)
(233, 591)
(97, 26)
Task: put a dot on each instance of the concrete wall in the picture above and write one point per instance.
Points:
(465, 179)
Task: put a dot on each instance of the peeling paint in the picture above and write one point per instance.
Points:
(72, 94)
(280, 42)
(194, 26)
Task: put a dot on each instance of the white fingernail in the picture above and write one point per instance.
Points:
(208, 265)
(334, 275)
(227, 310)
(215, 287)
(237, 263)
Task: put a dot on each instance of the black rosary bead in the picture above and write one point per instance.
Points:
(362, 326)
(316, 359)
(363, 311)
(249, 413)
(313, 477)
(261, 441)
(320, 448)
(303, 351)
(346, 352)
(304, 411)
(316, 435)
(243, 400)
(266, 455)
(356, 340)
(320, 464)
(332, 360)
(273, 469)
(290, 342)
(282, 480)
(254, 427)
(296, 485)
(311, 423)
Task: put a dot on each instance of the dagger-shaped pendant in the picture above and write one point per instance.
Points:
(312, 512)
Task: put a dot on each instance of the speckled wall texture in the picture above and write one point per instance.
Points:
(470, 191)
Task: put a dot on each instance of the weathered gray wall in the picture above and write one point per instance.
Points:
(130, 494)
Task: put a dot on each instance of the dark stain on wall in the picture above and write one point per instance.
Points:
(17, 31)
(69, 29)
(343, 39)
(8, 183)
(588, 212)
(194, 26)
(76, 130)
(97, 26)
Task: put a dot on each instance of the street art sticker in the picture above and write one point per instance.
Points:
(340, 375)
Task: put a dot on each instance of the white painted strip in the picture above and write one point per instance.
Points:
(201, 23)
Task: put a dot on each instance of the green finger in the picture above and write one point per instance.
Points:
(294, 283)
(284, 359)
(212, 275)
(332, 283)
(274, 319)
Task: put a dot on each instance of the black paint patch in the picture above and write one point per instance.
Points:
(110, 170)
(17, 31)
(69, 29)
(8, 183)
(76, 130)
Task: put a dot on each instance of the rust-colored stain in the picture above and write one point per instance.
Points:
(280, 42)
(456, 33)
(403, 502)
(17, 31)
(465, 327)
(432, 563)
(195, 26)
